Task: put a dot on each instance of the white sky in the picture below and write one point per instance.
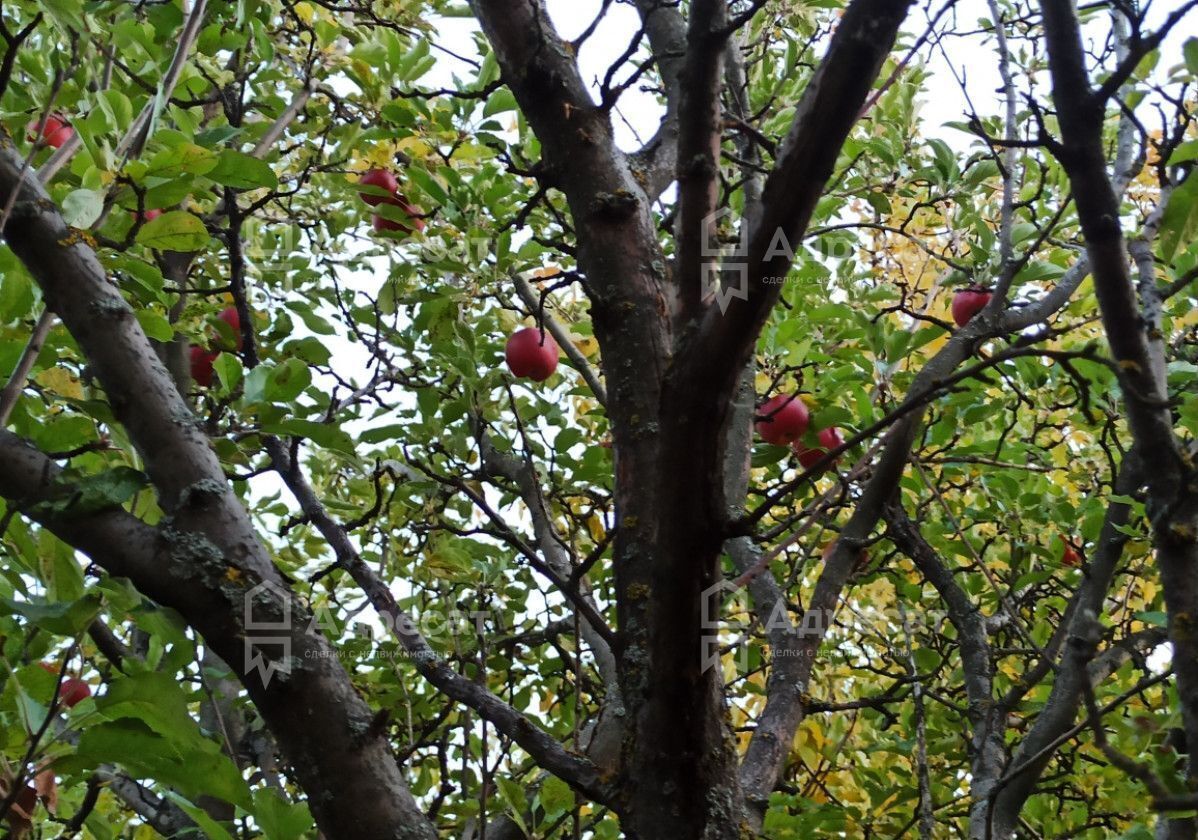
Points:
(942, 102)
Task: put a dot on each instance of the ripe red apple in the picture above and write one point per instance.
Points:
(532, 354)
(829, 439)
(382, 223)
(1070, 556)
(201, 365)
(74, 691)
(383, 180)
(782, 420)
(55, 132)
(969, 302)
(229, 316)
(26, 802)
(147, 216)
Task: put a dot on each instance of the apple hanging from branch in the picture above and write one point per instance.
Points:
(55, 130)
(531, 353)
(809, 456)
(74, 691)
(201, 359)
(385, 185)
(230, 317)
(969, 302)
(383, 223)
(782, 420)
(1070, 556)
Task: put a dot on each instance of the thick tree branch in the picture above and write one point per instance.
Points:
(823, 119)
(658, 159)
(699, 139)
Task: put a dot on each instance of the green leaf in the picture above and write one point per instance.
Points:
(1038, 270)
(279, 819)
(926, 660)
(241, 171)
(109, 489)
(211, 828)
(449, 558)
(380, 434)
(499, 102)
(322, 434)
(288, 381)
(81, 208)
(1190, 51)
(228, 370)
(192, 764)
(429, 185)
(174, 231)
(1180, 222)
(16, 292)
(64, 618)
(556, 797)
(1185, 152)
(513, 794)
(184, 158)
(155, 326)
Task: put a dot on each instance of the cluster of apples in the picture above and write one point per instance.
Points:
(531, 353)
(55, 130)
(201, 358)
(783, 421)
(72, 691)
(388, 184)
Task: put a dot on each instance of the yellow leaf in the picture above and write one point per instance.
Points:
(60, 381)
(362, 68)
(587, 346)
(595, 526)
(414, 147)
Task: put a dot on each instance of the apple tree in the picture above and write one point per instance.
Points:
(547, 419)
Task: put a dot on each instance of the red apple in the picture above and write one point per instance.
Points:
(531, 353)
(148, 215)
(782, 420)
(201, 364)
(383, 180)
(229, 316)
(55, 131)
(829, 439)
(1070, 556)
(74, 691)
(969, 302)
(382, 223)
(25, 803)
